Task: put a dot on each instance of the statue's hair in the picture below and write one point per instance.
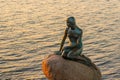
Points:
(71, 19)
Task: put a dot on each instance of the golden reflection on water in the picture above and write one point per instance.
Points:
(32, 29)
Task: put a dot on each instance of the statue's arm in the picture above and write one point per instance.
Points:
(80, 36)
(63, 40)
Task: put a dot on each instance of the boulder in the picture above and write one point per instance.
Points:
(57, 68)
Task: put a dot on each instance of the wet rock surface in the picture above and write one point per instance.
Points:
(57, 68)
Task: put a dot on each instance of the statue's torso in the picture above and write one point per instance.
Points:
(74, 35)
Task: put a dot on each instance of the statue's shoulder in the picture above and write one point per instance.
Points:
(80, 30)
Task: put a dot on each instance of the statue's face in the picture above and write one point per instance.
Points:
(70, 24)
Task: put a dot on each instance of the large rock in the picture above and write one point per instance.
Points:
(57, 68)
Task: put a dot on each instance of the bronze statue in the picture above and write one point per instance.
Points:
(74, 33)
(74, 50)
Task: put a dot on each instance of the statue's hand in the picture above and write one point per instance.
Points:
(57, 52)
(66, 30)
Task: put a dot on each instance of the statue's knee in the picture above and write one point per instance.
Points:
(79, 52)
(64, 54)
(57, 52)
(69, 54)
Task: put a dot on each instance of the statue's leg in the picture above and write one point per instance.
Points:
(78, 58)
(71, 55)
(58, 52)
(86, 58)
(65, 51)
(74, 53)
(79, 51)
(89, 61)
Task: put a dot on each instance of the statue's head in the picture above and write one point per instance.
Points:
(71, 22)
